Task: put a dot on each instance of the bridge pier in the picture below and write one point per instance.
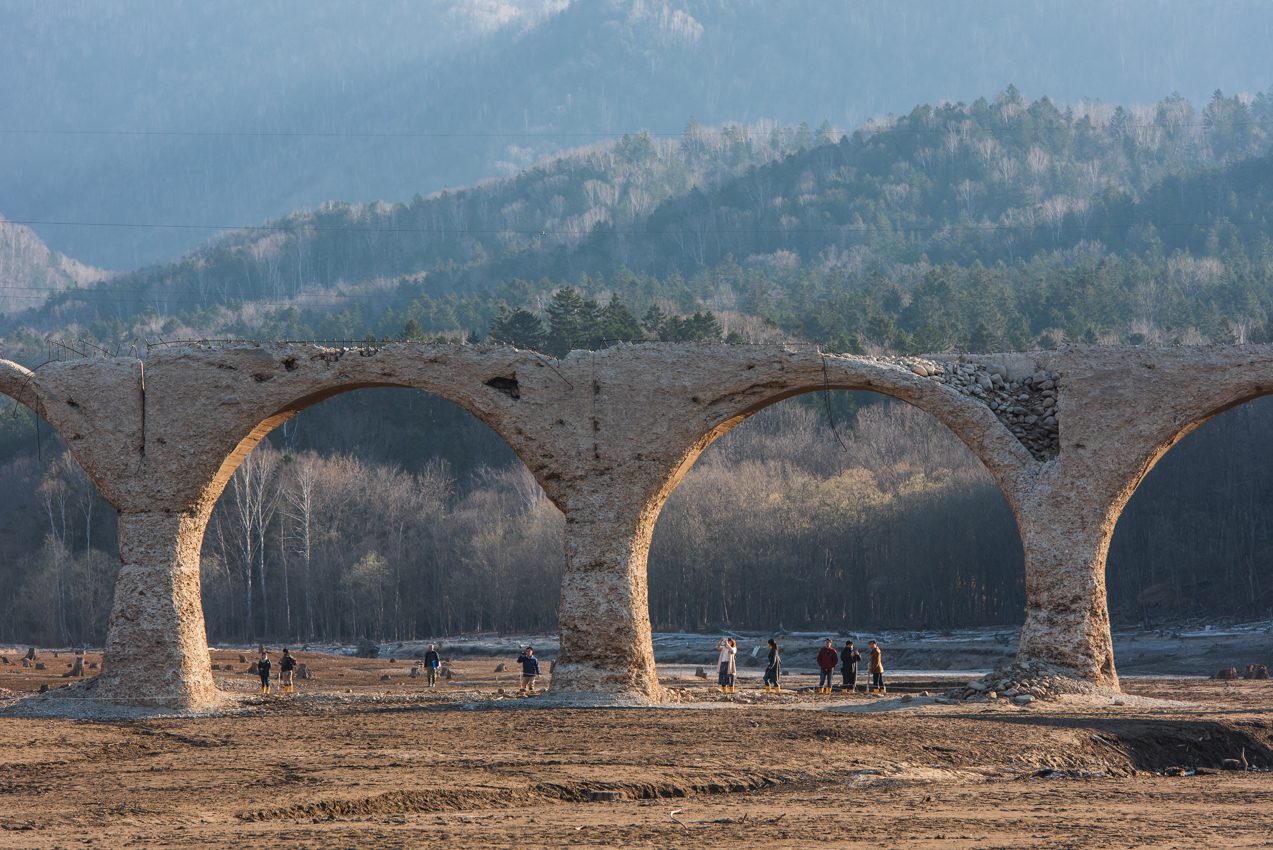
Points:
(1067, 614)
(607, 651)
(156, 647)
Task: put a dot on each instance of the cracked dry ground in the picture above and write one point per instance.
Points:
(297, 774)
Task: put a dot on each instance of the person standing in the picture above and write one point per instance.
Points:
(530, 669)
(849, 659)
(876, 669)
(263, 669)
(827, 659)
(725, 664)
(286, 665)
(773, 668)
(432, 661)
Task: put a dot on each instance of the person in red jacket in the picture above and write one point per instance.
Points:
(827, 659)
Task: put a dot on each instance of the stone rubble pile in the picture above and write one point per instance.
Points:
(1022, 683)
(1026, 407)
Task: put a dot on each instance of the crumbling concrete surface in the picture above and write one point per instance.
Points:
(1067, 435)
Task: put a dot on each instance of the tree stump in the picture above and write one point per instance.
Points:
(384, 678)
(415, 672)
(302, 672)
(446, 671)
(77, 669)
(243, 659)
(499, 669)
(1227, 673)
(216, 666)
(31, 654)
(26, 662)
(1261, 672)
(253, 668)
(39, 665)
(700, 673)
(4, 658)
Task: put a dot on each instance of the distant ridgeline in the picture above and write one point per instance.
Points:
(1000, 224)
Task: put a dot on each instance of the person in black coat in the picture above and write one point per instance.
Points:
(286, 665)
(263, 669)
(773, 668)
(530, 669)
(849, 667)
(432, 661)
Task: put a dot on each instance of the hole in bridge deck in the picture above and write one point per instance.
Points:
(508, 386)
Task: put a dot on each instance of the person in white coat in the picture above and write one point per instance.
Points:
(728, 650)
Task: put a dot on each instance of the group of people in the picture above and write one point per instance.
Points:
(848, 660)
(828, 658)
(286, 665)
(432, 661)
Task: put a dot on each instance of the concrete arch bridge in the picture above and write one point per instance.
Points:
(1067, 435)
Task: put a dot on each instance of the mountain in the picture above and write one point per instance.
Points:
(29, 271)
(1003, 223)
(203, 117)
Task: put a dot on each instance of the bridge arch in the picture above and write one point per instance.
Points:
(699, 399)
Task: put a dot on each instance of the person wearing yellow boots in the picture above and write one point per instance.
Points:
(773, 668)
(876, 669)
(725, 664)
(849, 658)
(827, 659)
(286, 665)
(263, 668)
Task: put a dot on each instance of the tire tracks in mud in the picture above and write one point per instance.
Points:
(467, 799)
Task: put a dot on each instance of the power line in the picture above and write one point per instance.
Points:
(567, 231)
(707, 131)
(333, 135)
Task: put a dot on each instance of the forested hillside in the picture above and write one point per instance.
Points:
(995, 225)
(211, 115)
(961, 227)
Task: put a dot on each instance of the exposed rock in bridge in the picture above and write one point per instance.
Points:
(1067, 435)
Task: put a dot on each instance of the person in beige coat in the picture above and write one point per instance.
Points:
(876, 669)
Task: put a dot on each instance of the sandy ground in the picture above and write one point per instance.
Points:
(353, 761)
